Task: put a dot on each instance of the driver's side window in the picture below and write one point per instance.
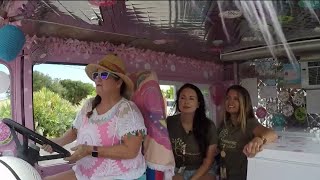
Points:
(59, 92)
(5, 93)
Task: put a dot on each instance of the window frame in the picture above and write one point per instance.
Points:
(209, 103)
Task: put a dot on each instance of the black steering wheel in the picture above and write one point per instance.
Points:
(30, 152)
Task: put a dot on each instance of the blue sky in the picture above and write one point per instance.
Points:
(73, 72)
(3, 68)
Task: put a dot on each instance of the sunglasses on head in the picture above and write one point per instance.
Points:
(103, 75)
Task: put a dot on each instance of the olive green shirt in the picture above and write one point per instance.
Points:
(184, 145)
(232, 140)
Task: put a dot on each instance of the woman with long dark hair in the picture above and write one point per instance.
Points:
(193, 136)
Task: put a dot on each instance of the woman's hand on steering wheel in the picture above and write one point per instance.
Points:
(47, 148)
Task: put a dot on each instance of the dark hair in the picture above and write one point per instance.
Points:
(201, 123)
(245, 109)
(97, 99)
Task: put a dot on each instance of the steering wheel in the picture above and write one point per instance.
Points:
(30, 152)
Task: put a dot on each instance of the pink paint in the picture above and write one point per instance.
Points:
(103, 3)
(135, 59)
(217, 92)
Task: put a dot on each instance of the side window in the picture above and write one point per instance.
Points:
(206, 95)
(168, 93)
(59, 91)
(169, 90)
(5, 93)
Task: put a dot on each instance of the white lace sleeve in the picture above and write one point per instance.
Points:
(87, 106)
(130, 119)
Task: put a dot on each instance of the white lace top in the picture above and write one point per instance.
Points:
(107, 130)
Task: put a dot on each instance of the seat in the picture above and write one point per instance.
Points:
(156, 147)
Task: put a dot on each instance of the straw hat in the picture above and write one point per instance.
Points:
(115, 65)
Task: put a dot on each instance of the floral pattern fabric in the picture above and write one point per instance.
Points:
(107, 130)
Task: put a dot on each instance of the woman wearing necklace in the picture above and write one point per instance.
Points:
(193, 136)
(241, 135)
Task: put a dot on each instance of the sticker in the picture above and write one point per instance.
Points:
(272, 107)
(300, 114)
(298, 99)
(278, 120)
(287, 110)
(261, 112)
(283, 96)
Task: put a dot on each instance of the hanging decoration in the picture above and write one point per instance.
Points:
(11, 42)
(103, 3)
(290, 99)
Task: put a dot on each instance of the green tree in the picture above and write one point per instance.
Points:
(169, 93)
(53, 115)
(5, 109)
(75, 91)
(41, 80)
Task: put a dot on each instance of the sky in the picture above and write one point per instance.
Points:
(73, 72)
(4, 69)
